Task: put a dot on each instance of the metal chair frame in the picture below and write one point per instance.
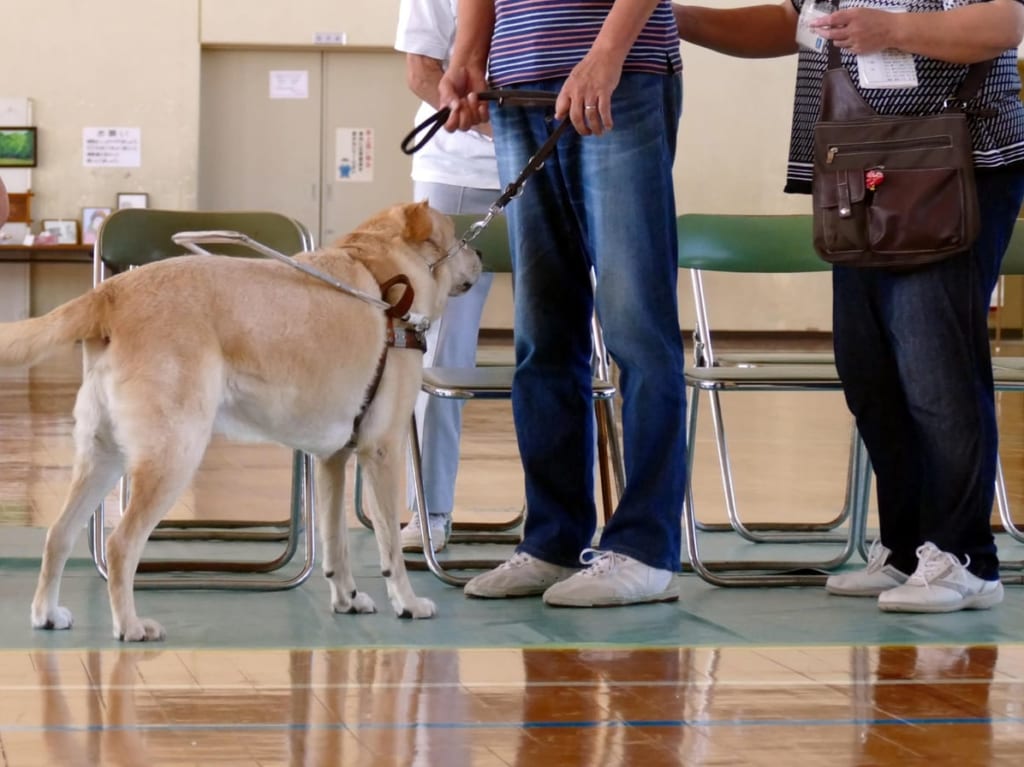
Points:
(724, 243)
(1008, 376)
(135, 237)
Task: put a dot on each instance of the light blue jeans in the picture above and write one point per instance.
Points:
(912, 349)
(607, 203)
(451, 343)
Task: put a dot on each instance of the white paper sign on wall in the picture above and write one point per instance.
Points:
(353, 154)
(112, 147)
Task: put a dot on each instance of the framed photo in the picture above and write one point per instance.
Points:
(132, 200)
(62, 231)
(17, 147)
(92, 220)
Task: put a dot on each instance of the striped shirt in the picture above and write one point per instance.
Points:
(544, 39)
(998, 141)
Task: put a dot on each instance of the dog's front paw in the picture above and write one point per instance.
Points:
(418, 607)
(355, 602)
(141, 630)
(53, 619)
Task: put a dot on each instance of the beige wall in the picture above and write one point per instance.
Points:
(106, 63)
(136, 63)
(131, 63)
(366, 23)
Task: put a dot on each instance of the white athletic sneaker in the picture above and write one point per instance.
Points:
(941, 584)
(872, 580)
(608, 579)
(440, 531)
(521, 576)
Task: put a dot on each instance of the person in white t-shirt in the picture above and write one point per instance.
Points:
(457, 173)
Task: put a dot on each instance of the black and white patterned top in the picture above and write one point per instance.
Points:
(998, 140)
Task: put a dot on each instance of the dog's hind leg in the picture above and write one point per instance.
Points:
(92, 478)
(330, 475)
(384, 465)
(156, 476)
(97, 466)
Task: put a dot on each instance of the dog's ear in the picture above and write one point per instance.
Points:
(418, 223)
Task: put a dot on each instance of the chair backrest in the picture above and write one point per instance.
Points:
(764, 244)
(738, 243)
(137, 236)
(492, 241)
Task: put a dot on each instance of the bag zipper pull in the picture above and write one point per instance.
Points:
(832, 152)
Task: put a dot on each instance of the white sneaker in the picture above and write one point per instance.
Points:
(872, 580)
(609, 578)
(941, 584)
(521, 576)
(440, 531)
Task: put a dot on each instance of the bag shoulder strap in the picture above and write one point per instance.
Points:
(968, 89)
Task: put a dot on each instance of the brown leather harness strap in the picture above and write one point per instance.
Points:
(398, 337)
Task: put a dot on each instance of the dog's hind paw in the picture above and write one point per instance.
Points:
(356, 603)
(54, 619)
(420, 607)
(141, 630)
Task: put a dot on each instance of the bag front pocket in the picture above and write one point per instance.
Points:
(917, 210)
(839, 212)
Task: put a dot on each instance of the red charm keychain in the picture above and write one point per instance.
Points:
(872, 178)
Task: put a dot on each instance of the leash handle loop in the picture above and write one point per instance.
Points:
(512, 97)
(413, 142)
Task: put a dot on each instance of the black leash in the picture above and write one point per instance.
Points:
(523, 98)
(434, 123)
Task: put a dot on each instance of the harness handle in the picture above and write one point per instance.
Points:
(193, 241)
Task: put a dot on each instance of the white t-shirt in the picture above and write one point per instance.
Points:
(462, 158)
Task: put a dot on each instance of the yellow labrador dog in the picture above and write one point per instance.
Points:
(254, 349)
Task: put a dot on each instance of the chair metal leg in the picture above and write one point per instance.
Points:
(209, 529)
(429, 557)
(773, 532)
(1009, 526)
(609, 453)
(443, 570)
(188, 574)
(1003, 504)
(777, 573)
(492, 529)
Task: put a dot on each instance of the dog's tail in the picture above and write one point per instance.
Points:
(31, 341)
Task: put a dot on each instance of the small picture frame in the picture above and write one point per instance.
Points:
(17, 147)
(92, 220)
(132, 200)
(59, 231)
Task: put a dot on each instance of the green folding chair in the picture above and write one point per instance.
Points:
(134, 237)
(741, 244)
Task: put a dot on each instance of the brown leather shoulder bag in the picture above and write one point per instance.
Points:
(892, 191)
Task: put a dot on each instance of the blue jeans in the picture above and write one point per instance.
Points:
(451, 343)
(912, 350)
(607, 203)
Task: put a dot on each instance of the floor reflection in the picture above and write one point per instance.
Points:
(518, 708)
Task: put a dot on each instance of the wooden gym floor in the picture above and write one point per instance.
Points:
(779, 676)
